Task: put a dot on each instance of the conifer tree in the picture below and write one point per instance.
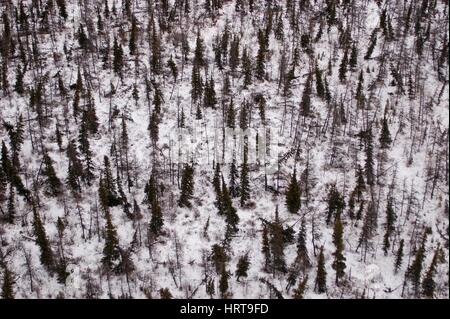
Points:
(260, 58)
(305, 104)
(321, 278)
(218, 189)
(234, 55)
(196, 83)
(231, 116)
(156, 221)
(320, 89)
(338, 241)
(118, 58)
(53, 183)
(244, 185)
(111, 249)
(8, 283)
(132, 44)
(231, 216)
(246, 68)
(302, 258)
(156, 59)
(414, 271)
(42, 241)
(242, 266)
(399, 256)
(360, 183)
(223, 283)
(343, 67)
(11, 212)
(18, 86)
(277, 244)
(299, 292)
(335, 203)
(293, 195)
(385, 137)
(390, 227)
(266, 248)
(370, 177)
(187, 186)
(428, 283)
(199, 53)
(234, 175)
(353, 62)
(210, 99)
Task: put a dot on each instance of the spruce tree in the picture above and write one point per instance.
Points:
(277, 244)
(118, 57)
(111, 249)
(218, 189)
(231, 216)
(242, 267)
(260, 58)
(187, 186)
(54, 185)
(370, 176)
(156, 221)
(132, 44)
(246, 68)
(299, 292)
(320, 89)
(266, 248)
(343, 67)
(385, 137)
(11, 212)
(234, 176)
(305, 104)
(338, 241)
(390, 227)
(8, 283)
(42, 241)
(223, 283)
(321, 278)
(428, 283)
(293, 195)
(414, 271)
(244, 186)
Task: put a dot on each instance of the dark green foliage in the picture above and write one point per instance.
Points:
(8, 283)
(414, 271)
(107, 187)
(399, 256)
(223, 283)
(428, 283)
(320, 89)
(335, 203)
(260, 58)
(390, 227)
(111, 249)
(305, 104)
(187, 186)
(338, 241)
(385, 137)
(156, 221)
(218, 257)
(277, 245)
(242, 267)
(231, 216)
(209, 99)
(369, 164)
(321, 277)
(299, 292)
(293, 195)
(343, 67)
(132, 44)
(266, 248)
(247, 68)
(118, 62)
(244, 186)
(54, 185)
(42, 241)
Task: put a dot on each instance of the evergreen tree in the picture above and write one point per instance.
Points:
(246, 68)
(111, 198)
(335, 203)
(156, 221)
(218, 189)
(370, 176)
(133, 36)
(321, 278)
(343, 67)
(8, 283)
(300, 291)
(234, 175)
(320, 89)
(277, 244)
(111, 249)
(242, 266)
(414, 271)
(360, 183)
(244, 185)
(266, 248)
(199, 53)
(156, 59)
(353, 62)
(53, 183)
(42, 241)
(196, 83)
(187, 187)
(11, 212)
(305, 104)
(260, 58)
(210, 99)
(385, 137)
(231, 116)
(18, 86)
(223, 283)
(428, 283)
(231, 216)
(293, 195)
(338, 241)
(118, 58)
(390, 227)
